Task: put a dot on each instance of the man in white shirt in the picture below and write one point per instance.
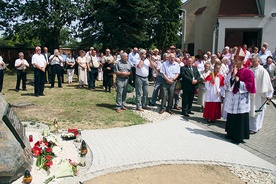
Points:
(39, 63)
(105, 58)
(263, 55)
(141, 82)
(56, 66)
(247, 53)
(133, 59)
(267, 51)
(89, 52)
(93, 65)
(46, 54)
(21, 65)
(200, 64)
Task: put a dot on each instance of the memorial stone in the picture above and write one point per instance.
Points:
(15, 149)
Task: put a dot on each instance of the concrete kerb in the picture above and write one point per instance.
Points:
(92, 175)
(111, 169)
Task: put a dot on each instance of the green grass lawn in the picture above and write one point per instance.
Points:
(71, 106)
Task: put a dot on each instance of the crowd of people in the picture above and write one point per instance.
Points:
(235, 84)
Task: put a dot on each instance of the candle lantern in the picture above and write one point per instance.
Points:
(27, 177)
(83, 149)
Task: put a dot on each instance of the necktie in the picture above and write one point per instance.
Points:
(191, 70)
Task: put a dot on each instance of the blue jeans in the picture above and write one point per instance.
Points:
(141, 88)
(157, 86)
(92, 77)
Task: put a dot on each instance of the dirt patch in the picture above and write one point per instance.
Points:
(177, 174)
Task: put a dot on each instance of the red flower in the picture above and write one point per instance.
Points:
(37, 144)
(40, 142)
(36, 151)
(48, 157)
(46, 144)
(48, 150)
(48, 164)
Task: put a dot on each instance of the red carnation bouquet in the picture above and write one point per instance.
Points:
(43, 151)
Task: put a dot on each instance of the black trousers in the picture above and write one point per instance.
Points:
(1, 79)
(48, 72)
(131, 80)
(21, 76)
(187, 100)
(56, 70)
(108, 78)
(92, 77)
(39, 81)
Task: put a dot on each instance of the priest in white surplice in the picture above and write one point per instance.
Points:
(264, 90)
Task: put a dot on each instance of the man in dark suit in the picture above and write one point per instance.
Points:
(46, 54)
(189, 83)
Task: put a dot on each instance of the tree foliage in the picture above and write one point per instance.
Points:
(116, 24)
(39, 19)
(167, 25)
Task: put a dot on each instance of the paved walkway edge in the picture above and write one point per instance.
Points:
(92, 175)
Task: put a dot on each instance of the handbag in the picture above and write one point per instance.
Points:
(178, 85)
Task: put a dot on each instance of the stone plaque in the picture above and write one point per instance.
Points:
(15, 149)
(14, 124)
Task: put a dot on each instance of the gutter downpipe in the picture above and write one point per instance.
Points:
(183, 29)
(214, 38)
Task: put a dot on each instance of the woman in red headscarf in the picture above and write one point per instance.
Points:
(214, 90)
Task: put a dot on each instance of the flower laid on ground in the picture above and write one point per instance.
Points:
(43, 151)
(56, 150)
(74, 167)
(56, 161)
(67, 135)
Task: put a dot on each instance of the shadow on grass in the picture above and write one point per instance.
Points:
(27, 94)
(106, 105)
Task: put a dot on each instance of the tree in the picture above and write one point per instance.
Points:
(167, 24)
(117, 23)
(39, 19)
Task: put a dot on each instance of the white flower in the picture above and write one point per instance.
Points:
(56, 150)
(56, 161)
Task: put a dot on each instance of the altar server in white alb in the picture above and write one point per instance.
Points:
(264, 90)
